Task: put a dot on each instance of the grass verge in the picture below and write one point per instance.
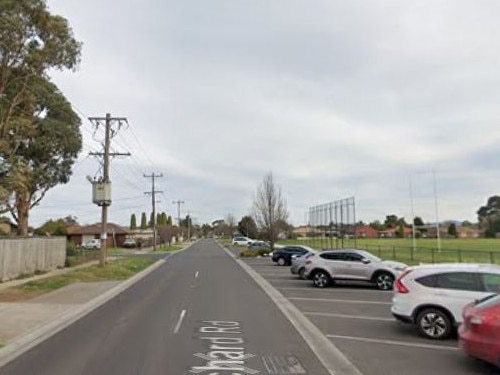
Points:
(119, 269)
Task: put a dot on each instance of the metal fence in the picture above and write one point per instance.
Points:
(409, 254)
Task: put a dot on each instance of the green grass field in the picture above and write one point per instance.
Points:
(480, 250)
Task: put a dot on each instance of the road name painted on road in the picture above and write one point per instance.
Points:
(226, 349)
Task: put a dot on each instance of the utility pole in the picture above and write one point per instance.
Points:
(153, 202)
(178, 203)
(105, 200)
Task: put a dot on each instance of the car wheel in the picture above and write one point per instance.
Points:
(321, 279)
(281, 261)
(384, 281)
(434, 324)
(301, 273)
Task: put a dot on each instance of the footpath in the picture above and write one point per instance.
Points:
(25, 324)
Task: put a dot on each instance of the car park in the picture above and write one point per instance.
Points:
(241, 240)
(283, 256)
(93, 244)
(432, 297)
(299, 263)
(330, 266)
(479, 333)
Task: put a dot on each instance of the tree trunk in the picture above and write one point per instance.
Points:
(23, 209)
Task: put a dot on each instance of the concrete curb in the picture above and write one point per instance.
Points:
(26, 342)
(334, 361)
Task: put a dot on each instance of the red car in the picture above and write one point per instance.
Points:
(479, 334)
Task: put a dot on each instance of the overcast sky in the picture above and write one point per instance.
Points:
(335, 98)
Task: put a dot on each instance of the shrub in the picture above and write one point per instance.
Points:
(71, 249)
(253, 253)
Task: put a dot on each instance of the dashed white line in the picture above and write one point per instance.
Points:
(196, 274)
(391, 342)
(338, 300)
(179, 322)
(331, 315)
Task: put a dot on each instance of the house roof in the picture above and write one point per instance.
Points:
(94, 229)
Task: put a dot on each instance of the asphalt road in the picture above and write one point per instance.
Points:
(199, 313)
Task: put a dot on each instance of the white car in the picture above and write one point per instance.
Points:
(94, 243)
(241, 240)
(328, 266)
(433, 296)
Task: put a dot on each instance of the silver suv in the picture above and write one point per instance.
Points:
(351, 264)
(433, 296)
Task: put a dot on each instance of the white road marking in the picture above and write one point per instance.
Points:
(310, 288)
(338, 300)
(330, 315)
(179, 322)
(196, 274)
(391, 342)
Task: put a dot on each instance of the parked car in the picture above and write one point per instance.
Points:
(259, 245)
(129, 243)
(241, 240)
(351, 264)
(93, 244)
(299, 263)
(433, 296)
(479, 334)
(283, 256)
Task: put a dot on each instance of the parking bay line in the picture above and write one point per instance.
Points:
(331, 315)
(309, 287)
(392, 342)
(338, 300)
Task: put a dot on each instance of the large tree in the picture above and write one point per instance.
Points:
(39, 132)
(44, 157)
(248, 227)
(269, 208)
(488, 215)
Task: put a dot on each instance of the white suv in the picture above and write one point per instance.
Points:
(433, 296)
(351, 264)
(241, 240)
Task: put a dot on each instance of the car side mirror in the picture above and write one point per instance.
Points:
(366, 261)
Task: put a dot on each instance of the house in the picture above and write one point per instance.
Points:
(302, 231)
(392, 232)
(367, 232)
(79, 234)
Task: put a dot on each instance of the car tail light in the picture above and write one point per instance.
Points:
(399, 286)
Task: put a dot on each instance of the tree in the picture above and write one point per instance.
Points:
(32, 42)
(487, 215)
(391, 221)
(56, 227)
(144, 221)
(248, 227)
(377, 225)
(452, 230)
(230, 221)
(45, 156)
(206, 229)
(269, 208)
(133, 222)
(418, 222)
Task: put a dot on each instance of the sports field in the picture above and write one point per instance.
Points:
(428, 250)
